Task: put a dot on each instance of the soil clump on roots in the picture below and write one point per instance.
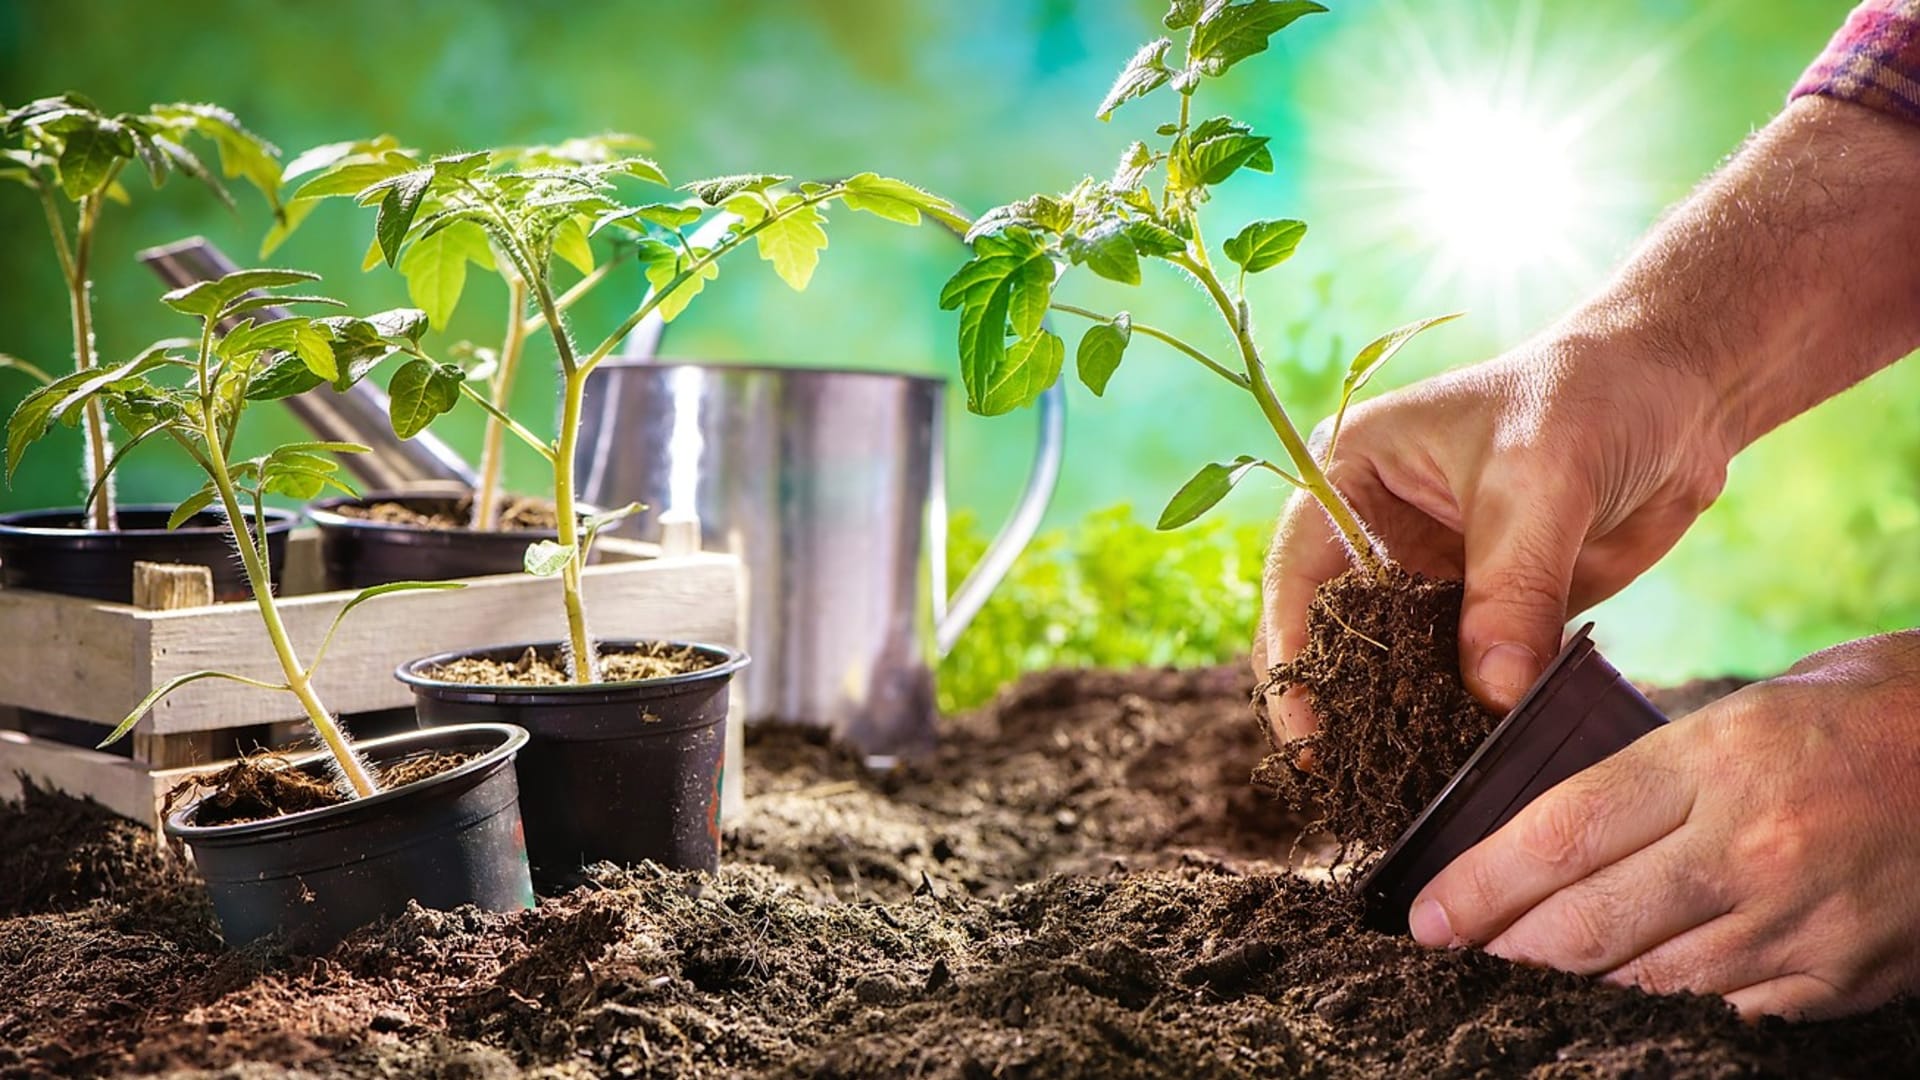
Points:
(1081, 883)
(1381, 670)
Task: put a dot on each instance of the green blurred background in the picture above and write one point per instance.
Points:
(1495, 157)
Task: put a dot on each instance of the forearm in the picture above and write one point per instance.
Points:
(1791, 275)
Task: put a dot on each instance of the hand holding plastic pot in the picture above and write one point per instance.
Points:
(1579, 712)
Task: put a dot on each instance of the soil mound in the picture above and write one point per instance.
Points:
(945, 920)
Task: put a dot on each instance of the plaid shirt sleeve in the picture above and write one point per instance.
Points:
(1873, 60)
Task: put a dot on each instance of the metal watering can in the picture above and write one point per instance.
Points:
(830, 485)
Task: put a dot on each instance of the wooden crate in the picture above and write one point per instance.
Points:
(92, 661)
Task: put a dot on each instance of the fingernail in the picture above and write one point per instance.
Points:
(1508, 666)
(1428, 921)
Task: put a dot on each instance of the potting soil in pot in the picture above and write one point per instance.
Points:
(264, 786)
(653, 660)
(514, 514)
(1080, 884)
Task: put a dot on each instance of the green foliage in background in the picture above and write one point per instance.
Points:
(1108, 592)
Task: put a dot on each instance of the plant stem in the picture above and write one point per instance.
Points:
(99, 510)
(260, 577)
(572, 296)
(569, 525)
(1213, 365)
(1312, 477)
(486, 495)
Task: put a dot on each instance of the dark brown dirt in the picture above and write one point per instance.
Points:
(917, 925)
(654, 660)
(1381, 668)
(262, 786)
(516, 514)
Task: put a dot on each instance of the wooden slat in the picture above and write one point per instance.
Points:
(94, 661)
(693, 597)
(116, 783)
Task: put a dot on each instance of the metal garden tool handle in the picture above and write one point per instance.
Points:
(951, 613)
(359, 415)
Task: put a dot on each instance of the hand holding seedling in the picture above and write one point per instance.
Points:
(1761, 849)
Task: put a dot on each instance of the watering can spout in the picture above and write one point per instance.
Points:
(359, 415)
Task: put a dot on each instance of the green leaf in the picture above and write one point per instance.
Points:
(1370, 360)
(314, 346)
(897, 200)
(1152, 239)
(1381, 349)
(355, 177)
(596, 522)
(1263, 245)
(792, 242)
(247, 304)
(1208, 486)
(1100, 350)
(1219, 147)
(1108, 250)
(435, 267)
(1182, 14)
(242, 153)
(397, 210)
(666, 215)
(207, 298)
(92, 381)
(1145, 73)
(1008, 283)
(1226, 33)
(190, 506)
(89, 155)
(284, 377)
(420, 391)
(662, 274)
(720, 188)
(546, 558)
(570, 244)
(169, 687)
(1029, 367)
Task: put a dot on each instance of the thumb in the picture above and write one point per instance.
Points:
(1522, 539)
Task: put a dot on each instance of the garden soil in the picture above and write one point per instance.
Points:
(1082, 883)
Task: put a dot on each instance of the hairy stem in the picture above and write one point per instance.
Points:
(99, 446)
(260, 578)
(1311, 476)
(578, 642)
(486, 495)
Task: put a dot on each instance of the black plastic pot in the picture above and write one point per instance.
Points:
(616, 772)
(50, 551)
(359, 553)
(1579, 711)
(314, 877)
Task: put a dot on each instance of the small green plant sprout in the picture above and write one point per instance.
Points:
(1020, 250)
(539, 209)
(194, 391)
(72, 156)
(435, 266)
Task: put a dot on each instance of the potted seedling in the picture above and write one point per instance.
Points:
(385, 536)
(627, 736)
(309, 846)
(72, 157)
(1380, 665)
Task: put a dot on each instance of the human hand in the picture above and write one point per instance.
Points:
(1549, 478)
(1762, 849)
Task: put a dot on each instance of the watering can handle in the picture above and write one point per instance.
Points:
(950, 614)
